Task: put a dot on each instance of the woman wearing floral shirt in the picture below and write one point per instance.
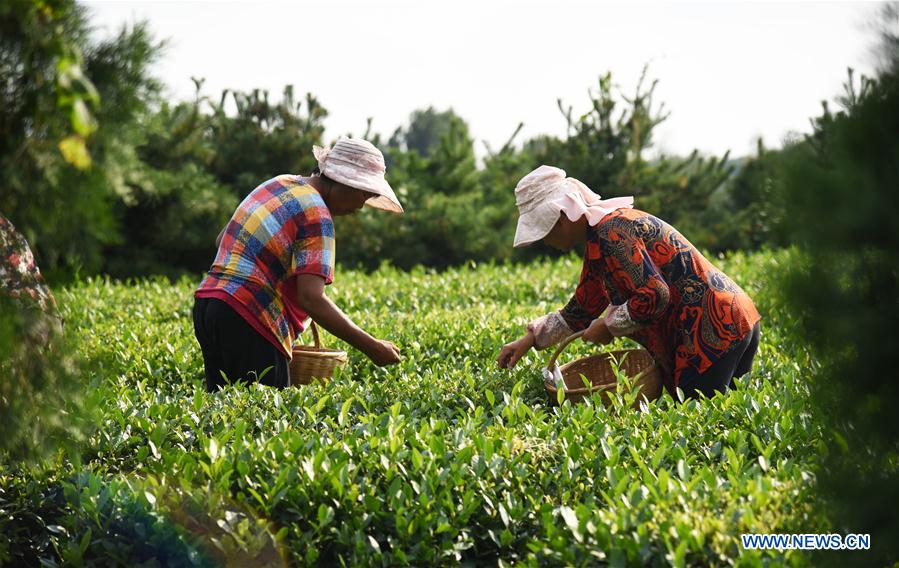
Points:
(653, 285)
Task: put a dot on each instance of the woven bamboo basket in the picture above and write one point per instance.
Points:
(636, 364)
(314, 361)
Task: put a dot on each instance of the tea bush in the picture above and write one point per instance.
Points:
(441, 459)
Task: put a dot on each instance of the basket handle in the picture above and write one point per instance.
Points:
(315, 338)
(565, 342)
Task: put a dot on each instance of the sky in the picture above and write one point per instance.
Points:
(728, 72)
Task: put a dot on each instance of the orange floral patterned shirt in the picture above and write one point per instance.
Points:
(689, 312)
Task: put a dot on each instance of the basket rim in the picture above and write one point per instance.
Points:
(318, 352)
(604, 355)
(607, 355)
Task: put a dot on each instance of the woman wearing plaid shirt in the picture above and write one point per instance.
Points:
(275, 257)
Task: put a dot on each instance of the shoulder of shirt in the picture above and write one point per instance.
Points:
(307, 195)
(629, 213)
(615, 220)
(625, 213)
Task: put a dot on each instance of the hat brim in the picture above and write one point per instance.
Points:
(534, 225)
(386, 203)
(386, 199)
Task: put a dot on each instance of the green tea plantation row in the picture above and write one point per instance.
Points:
(441, 459)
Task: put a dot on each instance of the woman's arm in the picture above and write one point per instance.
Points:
(590, 298)
(549, 330)
(581, 311)
(636, 277)
(311, 297)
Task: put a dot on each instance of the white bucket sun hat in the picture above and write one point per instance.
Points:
(358, 164)
(545, 192)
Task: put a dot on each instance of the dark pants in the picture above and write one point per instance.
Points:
(231, 346)
(735, 363)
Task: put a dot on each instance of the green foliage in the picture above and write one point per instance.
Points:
(440, 459)
(262, 139)
(193, 164)
(844, 210)
(441, 195)
(749, 213)
(606, 148)
(67, 108)
(41, 408)
(165, 177)
(174, 207)
(456, 212)
(143, 186)
(46, 93)
(426, 128)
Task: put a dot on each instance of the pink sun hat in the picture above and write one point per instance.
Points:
(545, 192)
(359, 164)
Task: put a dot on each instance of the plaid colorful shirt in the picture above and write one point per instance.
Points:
(282, 229)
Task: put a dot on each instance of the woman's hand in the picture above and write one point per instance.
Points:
(512, 352)
(384, 353)
(311, 297)
(598, 333)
